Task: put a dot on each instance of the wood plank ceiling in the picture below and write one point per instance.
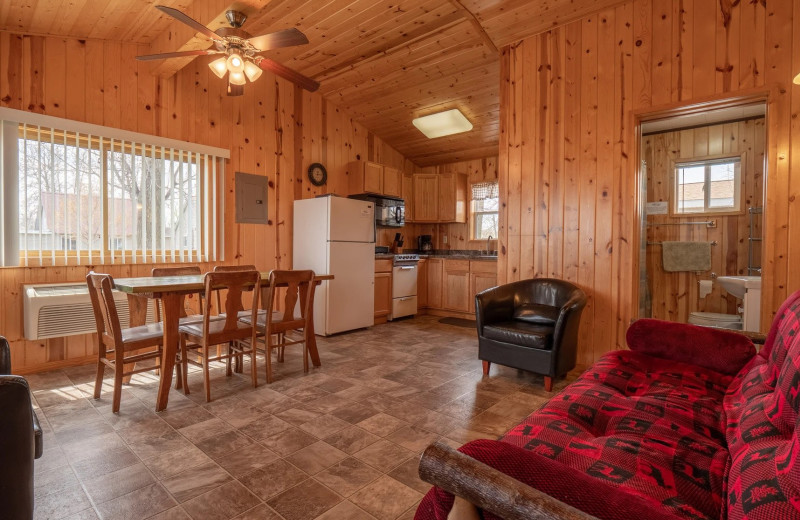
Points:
(383, 62)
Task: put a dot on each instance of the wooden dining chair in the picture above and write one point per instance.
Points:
(239, 337)
(118, 347)
(299, 286)
(230, 269)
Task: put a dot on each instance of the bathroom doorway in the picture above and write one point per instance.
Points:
(702, 192)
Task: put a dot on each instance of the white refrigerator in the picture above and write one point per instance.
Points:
(336, 235)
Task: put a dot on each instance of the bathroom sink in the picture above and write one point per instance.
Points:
(738, 285)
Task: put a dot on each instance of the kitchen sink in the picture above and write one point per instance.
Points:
(739, 285)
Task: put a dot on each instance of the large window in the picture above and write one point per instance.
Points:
(485, 205)
(97, 198)
(708, 186)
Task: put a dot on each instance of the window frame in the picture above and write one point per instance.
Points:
(472, 214)
(709, 160)
(210, 162)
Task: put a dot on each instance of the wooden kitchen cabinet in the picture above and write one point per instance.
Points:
(383, 290)
(422, 283)
(426, 197)
(435, 273)
(456, 286)
(452, 197)
(392, 182)
(440, 197)
(408, 196)
(483, 275)
(366, 177)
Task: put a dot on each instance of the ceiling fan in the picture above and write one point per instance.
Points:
(242, 58)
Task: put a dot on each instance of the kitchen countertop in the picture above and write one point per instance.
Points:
(451, 256)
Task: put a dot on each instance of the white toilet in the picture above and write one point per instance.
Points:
(716, 319)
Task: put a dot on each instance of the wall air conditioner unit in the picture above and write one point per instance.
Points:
(64, 309)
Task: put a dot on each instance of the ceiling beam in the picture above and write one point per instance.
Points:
(180, 37)
(466, 13)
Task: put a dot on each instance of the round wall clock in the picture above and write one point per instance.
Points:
(317, 174)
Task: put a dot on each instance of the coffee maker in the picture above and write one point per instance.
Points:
(424, 244)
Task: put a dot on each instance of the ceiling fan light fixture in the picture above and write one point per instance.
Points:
(442, 123)
(252, 70)
(219, 67)
(237, 78)
(235, 63)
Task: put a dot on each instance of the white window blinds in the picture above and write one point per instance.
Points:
(100, 197)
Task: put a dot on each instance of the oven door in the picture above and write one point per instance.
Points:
(404, 281)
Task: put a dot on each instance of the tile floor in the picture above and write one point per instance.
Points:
(341, 442)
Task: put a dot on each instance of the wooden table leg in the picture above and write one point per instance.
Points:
(312, 338)
(171, 308)
(137, 315)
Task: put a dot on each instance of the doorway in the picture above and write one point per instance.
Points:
(702, 186)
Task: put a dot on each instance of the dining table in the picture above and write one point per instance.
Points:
(171, 290)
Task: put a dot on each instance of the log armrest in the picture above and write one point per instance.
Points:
(720, 350)
(518, 484)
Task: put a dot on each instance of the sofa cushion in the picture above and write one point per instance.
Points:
(537, 314)
(650, 427)
(761, 409)
(520, 333)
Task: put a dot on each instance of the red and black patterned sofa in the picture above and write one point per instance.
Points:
(690, 423)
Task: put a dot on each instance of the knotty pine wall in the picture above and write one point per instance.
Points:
(674, 295)
(275, 129)
(478, 170)
(566, 164)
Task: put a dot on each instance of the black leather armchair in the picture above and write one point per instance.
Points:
(531, 325)
(20, 441)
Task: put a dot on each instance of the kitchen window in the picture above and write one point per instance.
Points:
(484, 210)
(106, 196)
(708, 186)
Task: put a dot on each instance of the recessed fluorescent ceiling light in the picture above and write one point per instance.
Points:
(442, 124)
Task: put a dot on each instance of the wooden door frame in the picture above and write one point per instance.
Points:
(766, 95)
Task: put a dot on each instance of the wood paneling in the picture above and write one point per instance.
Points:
(675, 295)
(275, 129)
(569, 97)
(384, 62)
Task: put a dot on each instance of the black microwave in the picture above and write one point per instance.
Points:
(389, 212)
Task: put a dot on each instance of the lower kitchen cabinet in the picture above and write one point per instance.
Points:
(483, 275)
(435, 273)
(383, 290)
(422, 284)
(456, 286)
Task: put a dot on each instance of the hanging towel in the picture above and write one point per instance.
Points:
(686, 256)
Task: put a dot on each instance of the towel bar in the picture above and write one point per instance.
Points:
(707, 223)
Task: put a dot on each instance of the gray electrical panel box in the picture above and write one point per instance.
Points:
(251, 198)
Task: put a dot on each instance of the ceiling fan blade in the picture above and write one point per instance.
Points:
(179, 54)
(287, 73)
(194, 24)
(278, 39)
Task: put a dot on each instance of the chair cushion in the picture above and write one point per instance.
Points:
(198, 318)
(520, 333)
(537, 314)
(151, 331)
(214, 327)
(261, 320)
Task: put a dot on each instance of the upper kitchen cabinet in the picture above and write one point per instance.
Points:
(408, 196)
(392, 182)
(426, 197)
(439, 197)
(375, 178)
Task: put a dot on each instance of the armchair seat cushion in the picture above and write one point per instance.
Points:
(521, 333)
(537, 314)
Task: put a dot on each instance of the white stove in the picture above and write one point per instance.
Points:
(404, 285)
